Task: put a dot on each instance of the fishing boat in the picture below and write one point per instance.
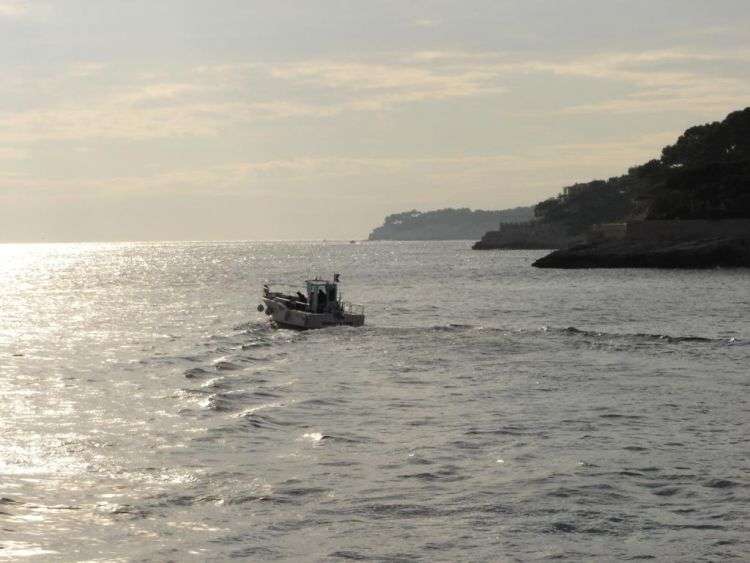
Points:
(320, 306)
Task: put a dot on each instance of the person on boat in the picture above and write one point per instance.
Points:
(322, 301)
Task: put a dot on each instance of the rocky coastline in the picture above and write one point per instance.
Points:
(526, 236)
(688, 208)
(720, 252)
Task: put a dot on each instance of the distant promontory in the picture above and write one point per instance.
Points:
(447, 224)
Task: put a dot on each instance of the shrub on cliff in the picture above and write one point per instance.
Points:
(705, 174)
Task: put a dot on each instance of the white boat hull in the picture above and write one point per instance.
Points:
(285, 317)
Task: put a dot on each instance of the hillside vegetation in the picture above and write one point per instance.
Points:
(704, 175)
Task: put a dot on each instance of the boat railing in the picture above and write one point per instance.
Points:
(292, 303)
(352, 308)
(278, 284)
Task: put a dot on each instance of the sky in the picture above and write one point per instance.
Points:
(242, 119)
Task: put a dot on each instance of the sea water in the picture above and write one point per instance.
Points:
(487, 411)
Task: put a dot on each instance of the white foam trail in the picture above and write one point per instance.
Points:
(262, 407)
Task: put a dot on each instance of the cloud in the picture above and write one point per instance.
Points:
(160, 91)
(85, 69)
(24, 9)
(426, 23)
(130, 118)
(10, 153)
(207, 100)
(550, 166)
(662, 80)
(14, 8)
(691, 100)
(379, 86)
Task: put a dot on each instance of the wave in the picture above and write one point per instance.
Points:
(276, 335)
(231, 400)
(271, 336)
(195, 372)
(565, 331)
(262, 421)
(224, 365)
(639, 335)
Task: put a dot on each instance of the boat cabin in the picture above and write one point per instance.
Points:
(322, 296)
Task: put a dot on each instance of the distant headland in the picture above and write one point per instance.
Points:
(447, 224)
(690, 208)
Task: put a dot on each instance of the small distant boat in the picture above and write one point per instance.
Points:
(319, 307)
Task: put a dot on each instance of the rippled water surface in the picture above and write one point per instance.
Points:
(487, 411)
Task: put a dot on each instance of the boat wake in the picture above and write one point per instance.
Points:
(568, 331)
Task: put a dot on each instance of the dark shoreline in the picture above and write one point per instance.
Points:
(692, 254)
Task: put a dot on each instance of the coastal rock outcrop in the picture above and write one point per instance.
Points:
(685, 254)
(529, 235)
